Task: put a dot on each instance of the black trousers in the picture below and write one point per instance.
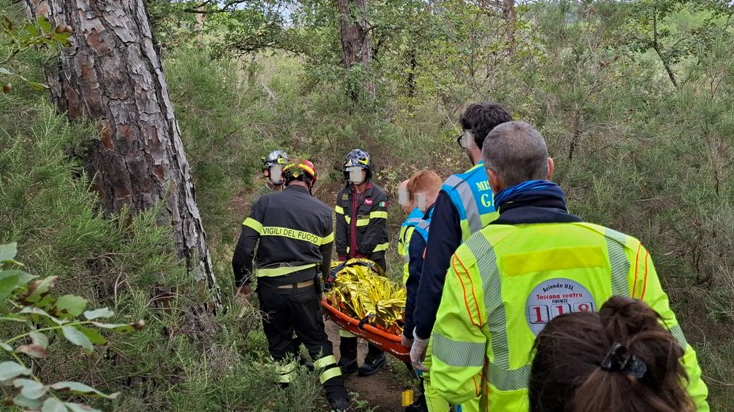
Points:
(287, 310)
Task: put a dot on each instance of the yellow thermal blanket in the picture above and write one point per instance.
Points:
(360, 292)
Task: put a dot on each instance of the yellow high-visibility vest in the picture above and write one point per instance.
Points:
(507, 281)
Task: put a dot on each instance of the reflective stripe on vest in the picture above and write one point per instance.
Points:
(472, 196)
(422, 228)
(412, 225)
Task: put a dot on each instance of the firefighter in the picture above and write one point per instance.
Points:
(463, 206)
(406, 229)
(423, 188)
(293, 234)
(361, 232)
(535, 262)
(272, 169)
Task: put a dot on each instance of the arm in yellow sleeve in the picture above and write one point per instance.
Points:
(646, 286)
(459, 345)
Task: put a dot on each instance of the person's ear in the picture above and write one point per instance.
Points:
(551, 165)
(495, 182)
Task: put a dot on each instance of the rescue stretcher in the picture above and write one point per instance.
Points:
(388, 342)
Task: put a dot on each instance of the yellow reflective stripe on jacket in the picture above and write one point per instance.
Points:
(286, 372)
(462, 354)
(324, 362)
(339, 210)
(328, 239)
(378, 215)
(381, 247)
(360, 221)
(295, 234)
(281, 271)
(330, 373)
(253, 224)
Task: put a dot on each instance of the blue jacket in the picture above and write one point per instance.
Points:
(416, 248)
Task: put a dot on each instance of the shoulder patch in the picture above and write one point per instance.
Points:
(382, 204)
(345, 196)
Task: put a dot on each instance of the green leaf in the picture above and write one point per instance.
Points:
(94, 336)
(10, 370)
(24, 277)
(30, 388)
(76, 337)
(8, 284)
(77, 407)
(98, 313)
(83, 389)
(53, 405)
(69, 306)
(39, 288)
(6, 347)
(121, 327)
(40, 312)
(44, 24)
(39, 339)
(38, 86)
(8, 251)
(31, 404)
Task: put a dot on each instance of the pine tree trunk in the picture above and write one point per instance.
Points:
(112, 74)
(355, 39)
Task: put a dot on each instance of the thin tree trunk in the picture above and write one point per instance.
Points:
(112, 74)
(355, 39)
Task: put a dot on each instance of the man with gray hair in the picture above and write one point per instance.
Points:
(535, 262)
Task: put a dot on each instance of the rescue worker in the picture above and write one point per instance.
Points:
(290, 236)
(423, 188)
(273, 165)
(406, 229)
(463, 206)
(535, 262)
(272, 170)
(361, 232)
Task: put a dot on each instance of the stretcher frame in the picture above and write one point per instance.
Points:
(388, 342)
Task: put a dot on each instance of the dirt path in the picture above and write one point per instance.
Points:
(383, 390)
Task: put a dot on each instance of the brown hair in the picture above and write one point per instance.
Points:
(567, 375)
(426, 180)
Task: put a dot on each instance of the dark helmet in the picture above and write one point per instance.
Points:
(359, 158)
(299, 171)
(276, 157)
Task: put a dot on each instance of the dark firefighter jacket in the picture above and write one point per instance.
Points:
(295, 236)
(361, 223)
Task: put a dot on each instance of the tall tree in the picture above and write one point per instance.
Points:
(112, 74)
(355, 39)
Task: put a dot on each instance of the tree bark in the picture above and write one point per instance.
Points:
(355, 39)
(112, 74)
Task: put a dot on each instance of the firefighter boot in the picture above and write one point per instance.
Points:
(348, 352)
(375, 360)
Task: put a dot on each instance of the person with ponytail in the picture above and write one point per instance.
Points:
(621, 359)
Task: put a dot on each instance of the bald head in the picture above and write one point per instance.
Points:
(515, 152)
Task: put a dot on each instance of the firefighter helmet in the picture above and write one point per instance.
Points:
(358, 158)
(298, 171)
(276, 157)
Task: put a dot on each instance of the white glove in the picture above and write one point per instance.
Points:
(407, 342)
(418, 352)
